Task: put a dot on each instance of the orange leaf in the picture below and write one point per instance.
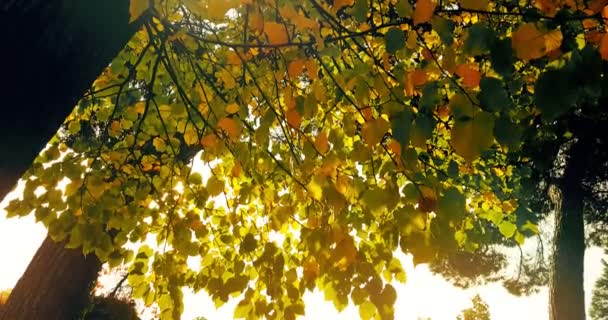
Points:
(311, 269)
(424, 11)
(293, 117)
(209, 141)
(230, 127)
(321, 143)
(604, 47)
(276, 33)
(469, 74)
(415, 79)
(295, 68)
(339, 4)
(530, 43)
(427, 199)
(311, 68)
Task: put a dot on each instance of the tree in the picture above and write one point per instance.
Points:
(599, 301)
(350, 129)
(479, 310)
(55, 49)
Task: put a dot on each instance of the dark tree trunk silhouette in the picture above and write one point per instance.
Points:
(52, 52)
(566, 292)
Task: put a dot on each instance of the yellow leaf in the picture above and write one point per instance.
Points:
(232, 108)
(321, 143)
(424, 11)
(472, 136)
(216, 10)
(227, 78)
(190, 136)
(531, 43)
(137, 8)
(230, 127)
(276, 33)
(159, 144)
(373, 131)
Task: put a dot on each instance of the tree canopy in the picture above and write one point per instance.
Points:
(330, 135)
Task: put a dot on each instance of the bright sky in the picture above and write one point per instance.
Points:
(424, 294)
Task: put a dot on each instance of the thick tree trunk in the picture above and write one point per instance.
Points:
(566, 294)
(53, 50)
(55, 285)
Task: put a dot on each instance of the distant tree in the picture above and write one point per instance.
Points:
(599, 301)
(479, 310)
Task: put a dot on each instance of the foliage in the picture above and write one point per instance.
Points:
(330, 135)
(599, 300)
(479, 310)
(111, 308)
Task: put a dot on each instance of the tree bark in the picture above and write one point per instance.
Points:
(566, 292)
(55, 286)
(53, 50)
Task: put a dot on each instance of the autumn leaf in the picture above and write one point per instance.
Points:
(276, 33)
(373, 131)
(293, 117)
(469, 74)
(604, 47)
(322, 143)
(531, 43)
(137, 8)
(230, 127)
(295, 67)
(424, 11)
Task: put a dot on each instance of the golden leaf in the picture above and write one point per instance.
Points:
(373, 131)
(232, 108)
(530, 43)
(321, 143)
(137, 8)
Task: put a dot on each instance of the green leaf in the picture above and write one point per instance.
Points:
(480, 40)
(451, 204)
(445, 29)
(493, 96)
(554, 93)
(507, 133)
(359, 10)
(501, 56)
(401, 126)
(394, 40)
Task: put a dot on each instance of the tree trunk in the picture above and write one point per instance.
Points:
(566, 292)
(53, 50)
(55, 285)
